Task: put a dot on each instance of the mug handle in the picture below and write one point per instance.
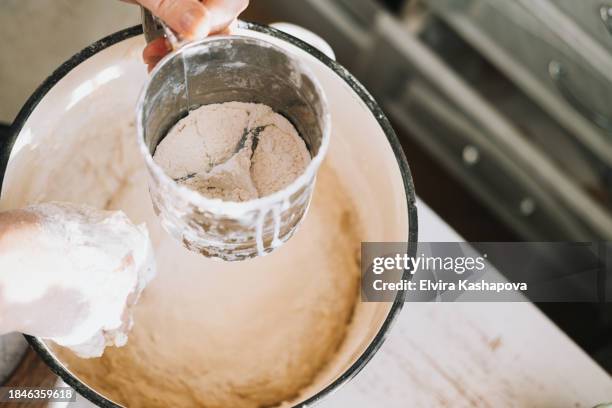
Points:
(153, 27)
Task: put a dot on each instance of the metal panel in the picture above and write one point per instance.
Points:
(594, 16)
(573, 83)
(455, 124)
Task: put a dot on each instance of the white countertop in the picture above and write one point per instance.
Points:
(474, 355)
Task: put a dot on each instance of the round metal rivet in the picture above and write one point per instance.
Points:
(471, 155)
(527, 206)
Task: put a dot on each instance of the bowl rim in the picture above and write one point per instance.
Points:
(6, 147)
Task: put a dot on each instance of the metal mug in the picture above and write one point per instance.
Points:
(222, 69)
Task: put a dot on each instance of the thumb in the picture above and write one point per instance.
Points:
(189, 18)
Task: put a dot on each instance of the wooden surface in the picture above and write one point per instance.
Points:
(474, 355)
(31, 372)
(12, 348)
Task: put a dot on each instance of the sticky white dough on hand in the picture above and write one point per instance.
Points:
(71, 274)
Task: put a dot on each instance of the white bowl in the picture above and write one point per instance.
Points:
(364, 151)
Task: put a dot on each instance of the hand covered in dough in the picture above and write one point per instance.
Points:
(71, 274)
(191, 19)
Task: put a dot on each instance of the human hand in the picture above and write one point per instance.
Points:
(191, 19)
(72, 274)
